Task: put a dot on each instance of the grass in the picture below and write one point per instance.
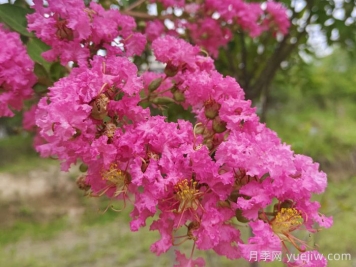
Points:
(17, 155)
(32, 230)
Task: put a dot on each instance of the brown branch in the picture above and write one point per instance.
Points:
(230, 61)
(146, 16)
(244, 60)
(134, 5)
(282, 52)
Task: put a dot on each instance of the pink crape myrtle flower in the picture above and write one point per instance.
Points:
(264, 240)
(278, 17)
(171, 3)
(212, 21)
(195, 178)
(79, 32)
(184, 262)
(91, 95)
(308, 259)
(175, 51)
(154, 29)
(29, 119)
(207, 33)
(62, 28)
(250, 159)
(16, 73)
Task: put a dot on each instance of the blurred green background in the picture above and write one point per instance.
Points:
(46, 221)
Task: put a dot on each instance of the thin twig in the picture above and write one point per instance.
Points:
(146, 16)
(134, 5)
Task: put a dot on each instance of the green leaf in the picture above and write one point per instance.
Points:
(40, 88)
(57, 71)
(15, 17)
(21, 3)
(35, 48)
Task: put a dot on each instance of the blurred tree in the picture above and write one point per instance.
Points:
(318, 104)
(315, 26)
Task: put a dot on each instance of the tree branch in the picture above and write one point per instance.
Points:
(246, 77)
(146, 16)
(282, 52)
(134, 5)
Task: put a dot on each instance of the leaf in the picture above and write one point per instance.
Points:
(57, 71)
(15, 17)
(21, 3)
(42, 75)
(35, 48)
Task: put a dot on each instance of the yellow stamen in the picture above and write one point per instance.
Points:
(187, 195)
(286, 220)
(118, 178)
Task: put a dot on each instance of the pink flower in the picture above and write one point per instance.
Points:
(169, 49)
(77, 33)
(62, 28)
(154, 29)
(209, 34)
(171, 3)
(278, 17)
(264, 240)
(91, 95)
(16, 73)
(198, 178)
(29, 122)
(184, 262)
(308, 259)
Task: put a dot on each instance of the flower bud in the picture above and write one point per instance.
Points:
(162, 100)
(233, 196)
(178, 96)
(211, 109)
(209, 143)
(110, 129)
(155, 84)
(99, 106)
(240, 217)
(223, 204)
(173, 89)
(83, 167)
(63, 32)
(141, 24)
(285, 204)
(199, 129)
(219, 126)
(171, 70)
(82, 184)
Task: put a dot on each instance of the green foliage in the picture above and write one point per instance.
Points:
(314, 109)
(35, 48)
(18, 155)
(39, 231)
(15, 17)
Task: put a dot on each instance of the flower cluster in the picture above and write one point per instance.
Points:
(16, 73)
(212, 23)
(79, 32)
(202, 177)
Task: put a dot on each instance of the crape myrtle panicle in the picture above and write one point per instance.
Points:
(212, 23)
(16, 73)
(77, 33)
(202, 179)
